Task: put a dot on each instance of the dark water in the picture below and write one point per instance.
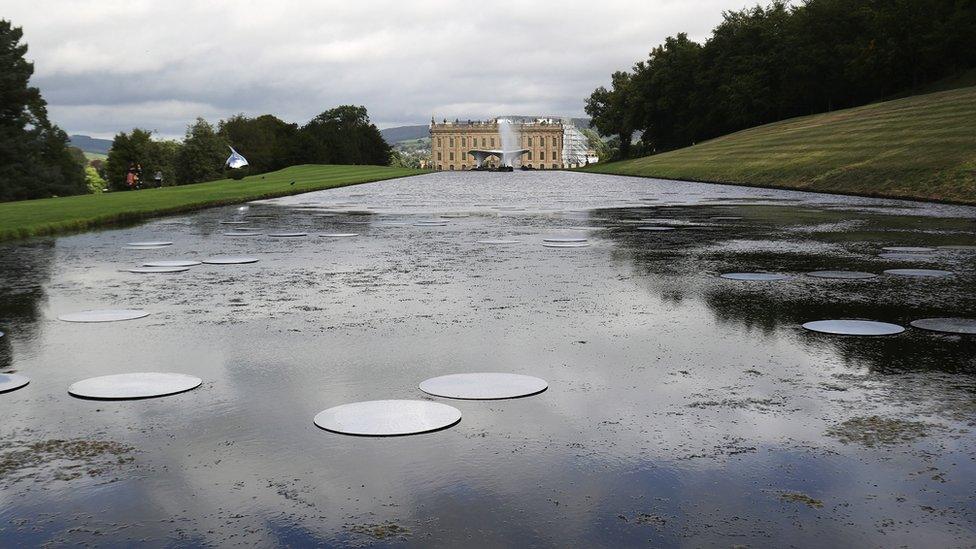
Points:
(683, 409)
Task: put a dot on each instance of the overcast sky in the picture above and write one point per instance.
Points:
(110, 65)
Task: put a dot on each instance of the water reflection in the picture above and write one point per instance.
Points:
(683, 409)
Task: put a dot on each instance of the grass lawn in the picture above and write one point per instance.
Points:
(72, 213)
(921, 147)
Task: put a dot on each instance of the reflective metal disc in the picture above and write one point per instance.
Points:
(388, 417)
(148, 270)
(134, 385)
(755, 276)
(243, 233)
(104, 315)
(287, 235)
(843, 275)
(338, 235)
(172, 263)
(483, 386)
(909, 249)
(563, 239)
(565, 244)
(12, 382)
(947, 325)
(152, 243)
(230, 260)
(854, 327)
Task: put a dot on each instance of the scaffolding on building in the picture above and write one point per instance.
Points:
(575, 145)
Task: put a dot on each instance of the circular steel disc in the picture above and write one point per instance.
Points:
(498, 242)
(287, 235)
(918, 272)
(565, 239)
(755, 276)
(904, 256)
(104, 315)
(483, 386)
(173, 263)
(338, 235)
(153, 243)
(230, 260)
(854, 327)
(431, 224)
(133, 386)
(656, 229)
(565, 244)
(243, 233)
(388, 417)
(148, 270)
(947, 325)
(909, 249)
(12, 382)
(843, 275)
(144, 247)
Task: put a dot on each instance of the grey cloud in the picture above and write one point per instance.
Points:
(108, 66)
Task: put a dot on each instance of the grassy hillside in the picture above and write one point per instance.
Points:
(918, 147)
(51, 215)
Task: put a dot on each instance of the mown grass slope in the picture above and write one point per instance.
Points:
(52, 215)
(921, 147)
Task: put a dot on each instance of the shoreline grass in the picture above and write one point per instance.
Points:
(49, 216)
(919, 148)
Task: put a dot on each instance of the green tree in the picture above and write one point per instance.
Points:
(93, 181)
(34, 158)
(612, 111)
(267, 142)
(202, 155)
(343, 135)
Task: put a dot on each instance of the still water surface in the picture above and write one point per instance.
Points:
(683, 409)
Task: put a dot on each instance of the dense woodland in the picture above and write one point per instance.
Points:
(36, 160)
(765, 64)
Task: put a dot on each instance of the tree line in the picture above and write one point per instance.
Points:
(764, 64)
(343, 135)
(36, 160)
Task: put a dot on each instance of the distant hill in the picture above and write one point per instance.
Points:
(921, 147)
(91, 144)
(404, 133)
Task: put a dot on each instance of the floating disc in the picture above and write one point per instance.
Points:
(854, 327)
(230, 260)
(909, 249)
(498, 241)
(144, 247)
(243, 233)
(149, 244)
(947, 325)
(483, 386)
(658, 229)
(104, 315)
(388, 417)
(173, 263)
(287, 235)
(563, 239)
(918, 272)
(843, 275)
(431, 223)
(133, 386)
(565, 244)
(904, 256)
(12, 382)
(148, 270)
(755, 276)
(338, 235)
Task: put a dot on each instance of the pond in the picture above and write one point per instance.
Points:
(682, 408)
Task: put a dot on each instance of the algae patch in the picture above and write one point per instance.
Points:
(57, 459)
(874, 431)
